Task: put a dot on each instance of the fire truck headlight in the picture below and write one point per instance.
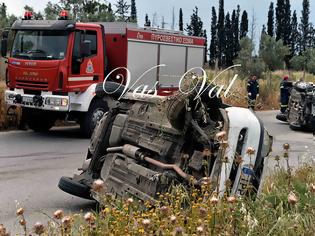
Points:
(51, 101)
(64, 102)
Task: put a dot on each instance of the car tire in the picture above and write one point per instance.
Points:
(75, 188)
(282, 117)
(100, 142)
(90, 119)
(112, 89)
(295, 127)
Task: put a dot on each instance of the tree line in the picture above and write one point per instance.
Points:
(80, 10)
(286, 42)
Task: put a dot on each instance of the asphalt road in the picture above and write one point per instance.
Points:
(31, 165)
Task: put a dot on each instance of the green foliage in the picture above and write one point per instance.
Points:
(221, 33)
(195, 26)
(82, 10)
(244, 25)
(229, 43)
(133, 12)
(51, 11)
(273, 52)
(205, 60)
(214, 38)
(271, 20)
(305, 27)
(298, 62)
(236, 32)
(147, 21)
(305, 61)
(249, 65)
(181, 21)
(122, 10)
(295, 35)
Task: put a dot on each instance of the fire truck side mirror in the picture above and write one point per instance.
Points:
(85, 48)
(4, 47)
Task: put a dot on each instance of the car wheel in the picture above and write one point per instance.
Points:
(111, 89)
(95, 113)
(75, 188)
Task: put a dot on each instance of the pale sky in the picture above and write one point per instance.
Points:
(258, 8)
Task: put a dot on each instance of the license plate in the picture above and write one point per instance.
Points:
(245, 180)
(27, 99)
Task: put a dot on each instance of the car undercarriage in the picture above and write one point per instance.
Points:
(146, 144)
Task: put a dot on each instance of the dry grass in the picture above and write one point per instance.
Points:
(7, 121)
(269, 88)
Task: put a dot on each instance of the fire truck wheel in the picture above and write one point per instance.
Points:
(95, 113)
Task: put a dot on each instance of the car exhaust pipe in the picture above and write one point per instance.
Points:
(136, 153)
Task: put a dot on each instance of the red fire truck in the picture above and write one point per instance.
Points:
(55, 65)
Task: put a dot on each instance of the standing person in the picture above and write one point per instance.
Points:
(253, 92)
(284, 94)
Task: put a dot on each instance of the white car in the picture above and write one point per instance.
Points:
(145, 144)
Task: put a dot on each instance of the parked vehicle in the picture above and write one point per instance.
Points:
(148, 143)
(300, 113)
(54, 65)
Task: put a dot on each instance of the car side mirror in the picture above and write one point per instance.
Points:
(85, 49)
(4, 47)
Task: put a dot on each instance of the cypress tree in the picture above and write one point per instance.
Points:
(263, 34)
(3, 11)
(271, 20)
(229, 41)
(244, 25)
(305, 26)
(110, 7)
(214, 38)
(221, 33)
(206, 46)
(295, 35)
(287, 23)
(181, 22)
(235, 32)
(195, 26)
(147, 21)
(133, 14)
(280, 17)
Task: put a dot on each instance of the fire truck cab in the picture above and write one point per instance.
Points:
(54, 66)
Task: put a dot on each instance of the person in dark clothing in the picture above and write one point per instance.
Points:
(284, 94)
(253, 92)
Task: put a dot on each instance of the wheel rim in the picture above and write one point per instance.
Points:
(97, 116)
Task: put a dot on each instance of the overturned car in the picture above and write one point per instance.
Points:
(145, 144)
(300, 113)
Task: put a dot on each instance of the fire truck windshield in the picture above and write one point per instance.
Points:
(40, 45)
